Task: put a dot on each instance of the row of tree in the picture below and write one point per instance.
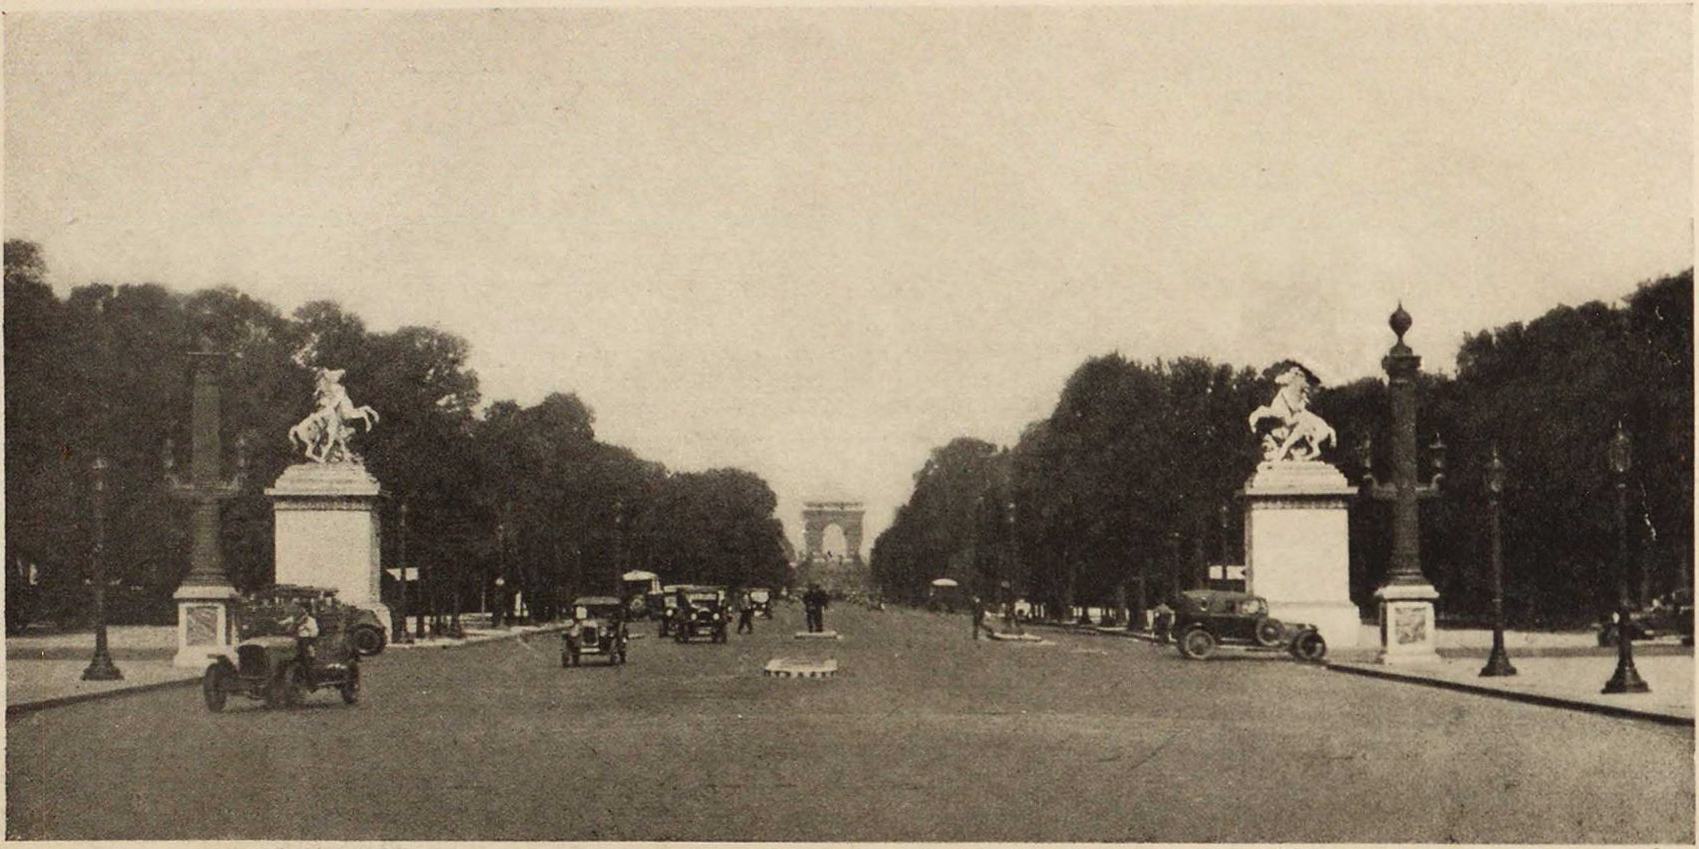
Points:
(1127, 490)
(526, 494)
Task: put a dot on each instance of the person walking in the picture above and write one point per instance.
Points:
(745, 614)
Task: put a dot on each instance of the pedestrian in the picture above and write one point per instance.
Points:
(814, 605)
(1163, 621)
(306, 637)
(745, 614)
(978, 615)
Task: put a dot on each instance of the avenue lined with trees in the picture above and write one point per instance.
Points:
(1131, 479)
(524, 493)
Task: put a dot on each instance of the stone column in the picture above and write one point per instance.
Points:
(328, 529)
(1297, 546)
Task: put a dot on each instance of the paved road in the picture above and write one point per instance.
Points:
(923, 736)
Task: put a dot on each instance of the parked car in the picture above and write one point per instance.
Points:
(257, 615)
(1205, 619)
(1669, 616)
(701, 612)
(271, 669)
(598, 628)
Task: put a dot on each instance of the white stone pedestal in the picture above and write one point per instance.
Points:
(1407, 624)
(1297, 546)
(204, 627)
(328, 531)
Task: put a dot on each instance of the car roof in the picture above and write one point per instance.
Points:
(595, 599)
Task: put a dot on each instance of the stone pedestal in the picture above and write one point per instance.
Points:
(328, 531)
(1407, 624)
(204, 626)
(1297, 546)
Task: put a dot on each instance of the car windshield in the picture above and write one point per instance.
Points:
(695, 597)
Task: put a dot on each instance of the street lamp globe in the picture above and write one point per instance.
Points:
(1495, 474)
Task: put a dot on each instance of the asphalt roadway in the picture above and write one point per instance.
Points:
(924, 735)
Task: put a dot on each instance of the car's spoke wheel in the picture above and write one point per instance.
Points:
(1197, 644)
(1269, 632)
(213, 689)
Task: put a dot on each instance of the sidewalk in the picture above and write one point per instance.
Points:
(1556, 669)
(44, 671)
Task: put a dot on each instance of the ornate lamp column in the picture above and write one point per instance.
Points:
(1627, 679)
(401, 635)
(203, 601)
(101, 667)
(1498, 663)
(1406, 601)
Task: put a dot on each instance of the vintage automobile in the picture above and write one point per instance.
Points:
(701, 612)
(598, 628)
(668, 606)
(271, 668)
(1205, 619)
(1670, 616)
(365, 631)
(761, 600)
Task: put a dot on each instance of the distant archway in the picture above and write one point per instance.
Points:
(831, 546)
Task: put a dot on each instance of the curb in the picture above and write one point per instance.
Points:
(1516, 696)
(62, 701)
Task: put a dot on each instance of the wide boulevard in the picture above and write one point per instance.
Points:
(923, 735)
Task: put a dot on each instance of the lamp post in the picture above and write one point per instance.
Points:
(1498, 663)
(1626, 679)
(101, 667)
(401, 636)
(1406, 600)
(205, 596)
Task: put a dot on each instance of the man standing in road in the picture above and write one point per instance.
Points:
(814, 605)
(978, 608)
(745, 614)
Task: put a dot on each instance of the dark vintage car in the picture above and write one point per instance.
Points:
(701, 612)
(1205, 619)
(1669, 616)
(271, 669)
(598, 628)
(666, 609)
(364, 629)
(760, 599)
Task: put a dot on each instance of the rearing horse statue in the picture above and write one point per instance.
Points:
(1300, 433)
(323, 435)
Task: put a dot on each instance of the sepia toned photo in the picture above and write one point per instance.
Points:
(879, 423)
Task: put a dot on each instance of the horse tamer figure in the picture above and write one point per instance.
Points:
(1300, 433)
(323, 435)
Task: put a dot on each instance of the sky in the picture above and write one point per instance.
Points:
(817, 243)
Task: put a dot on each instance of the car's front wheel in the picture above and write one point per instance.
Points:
(213, 689)
(351, 688)
(1197, 644)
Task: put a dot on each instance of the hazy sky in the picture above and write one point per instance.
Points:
(817, 243)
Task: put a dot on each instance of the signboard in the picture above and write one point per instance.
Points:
(412, 573)
(1226, 573)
